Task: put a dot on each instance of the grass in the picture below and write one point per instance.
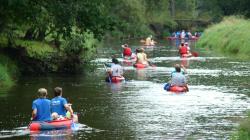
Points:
(243, 132)
(230, 37)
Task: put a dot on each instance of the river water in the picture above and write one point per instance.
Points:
(139, 108)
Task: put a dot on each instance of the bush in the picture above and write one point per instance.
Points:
(229, 37)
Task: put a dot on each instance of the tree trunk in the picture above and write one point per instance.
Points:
(29, 34)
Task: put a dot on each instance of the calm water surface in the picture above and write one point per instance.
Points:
(139, 108)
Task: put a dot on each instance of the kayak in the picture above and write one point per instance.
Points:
(177, 89)
(117, 79)
(139, 65)
(171, 38)
(51, 125)
(186, 55)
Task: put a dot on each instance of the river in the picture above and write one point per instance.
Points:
(139, 108)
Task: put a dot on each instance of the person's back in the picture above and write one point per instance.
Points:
(116, 70)
(183, 50)
(57, 105)
(126, 50)
(178, 79)
(41, 107)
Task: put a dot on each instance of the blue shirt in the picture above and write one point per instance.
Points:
(42, 105)
(57, 105)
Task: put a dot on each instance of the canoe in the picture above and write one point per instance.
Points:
(50, 125)
(139, 65)
(117, 79)
(171, 38)
(177, 89)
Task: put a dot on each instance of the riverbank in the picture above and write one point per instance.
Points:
(230, 37)
(243, 132)
(31, 57)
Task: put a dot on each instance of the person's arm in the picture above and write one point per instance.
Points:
(69, 108)
(185, 70)
(33, 114)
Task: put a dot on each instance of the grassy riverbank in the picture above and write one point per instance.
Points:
(243, 132)
(230, 37)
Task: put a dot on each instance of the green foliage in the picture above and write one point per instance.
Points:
(243, 132)
(36, 49)
(229, 37)
(8, 72)
(80, 44)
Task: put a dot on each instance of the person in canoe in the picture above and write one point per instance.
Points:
(148, 41)
(127, 52)
(141, 57)
(178, 78)
(41, 107)
(184, 50)
(115, 72)
(60, 106)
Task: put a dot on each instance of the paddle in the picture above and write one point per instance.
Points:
(106, 72)
(195, 54)
(150, 64)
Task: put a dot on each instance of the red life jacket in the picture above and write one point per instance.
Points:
(183, 50)
(127, 51)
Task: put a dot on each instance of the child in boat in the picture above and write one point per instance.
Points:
(41, 107)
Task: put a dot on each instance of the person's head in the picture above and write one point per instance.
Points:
(186, 44)
(142, 50)
(57, 91)
(42, 92)
(182, 44)
(114, 60)
(54, 115)
(137, 50)
(125, 45)
(177, 68)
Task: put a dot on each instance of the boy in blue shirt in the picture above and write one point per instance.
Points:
(41, 107)
(60, 104)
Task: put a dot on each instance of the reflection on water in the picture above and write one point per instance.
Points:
(139, 108)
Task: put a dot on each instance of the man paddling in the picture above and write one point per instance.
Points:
(178, 78)
(60, 105)
(41, 107)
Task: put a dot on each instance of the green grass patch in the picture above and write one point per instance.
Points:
(243, 132)
(230, 37)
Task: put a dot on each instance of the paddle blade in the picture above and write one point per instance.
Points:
(195, 54)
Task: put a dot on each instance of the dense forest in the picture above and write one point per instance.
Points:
(58, 19)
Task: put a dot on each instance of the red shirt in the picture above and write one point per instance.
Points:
(127, 51)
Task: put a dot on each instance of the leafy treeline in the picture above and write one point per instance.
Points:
(55, 19)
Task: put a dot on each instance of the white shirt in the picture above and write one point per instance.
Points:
(116, 70)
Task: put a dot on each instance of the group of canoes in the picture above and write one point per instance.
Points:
(178, 82)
